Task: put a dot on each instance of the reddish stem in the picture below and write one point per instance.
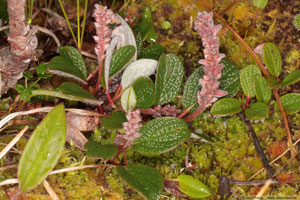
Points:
(109, 98)
(100, 67)
(100, 109)
(118, 94)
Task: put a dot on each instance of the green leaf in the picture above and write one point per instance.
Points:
(146, 180)
(272, 59)
(247, 79)
(192, 187)
(137, 69)
(226, 106)
(257, 111)
(290, 103)
(98, 150)
(146, 28)
(43, 149)
(27, 74)
(260, 3)
(291, 78)
(169, 78)
(128, 99)
(139, 43)
(144, 91)
(262, 92)
(120, 59)
(191, 87)
(114, 121)
(153, 52)
(41, 68)
(161, 135)
(26, 94)
(70, 61)
(230, 80)
(75, 90)
(273, 83)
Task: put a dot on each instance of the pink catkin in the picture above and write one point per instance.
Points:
(133, 125)
(212, 67)
(103, 18)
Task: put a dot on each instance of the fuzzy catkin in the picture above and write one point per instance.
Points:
(205, 27)
(103, 18)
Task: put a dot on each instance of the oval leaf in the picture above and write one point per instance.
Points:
(260, 3)
(247, 79)
(146, 180)
(291, 78)
(105, 151)
(272, 59)
(191, 87)
(70, 61)
(137, 69)
(75, 90)
(128, 99)
(169, 78)
(114, 121)
(226, 106)
(290, 103)
(120, 59)
(43, 149)
(161, 135)
(154, 52)
(192, 187)
(144, 91)
(262, 92)
(257, 111)
(230, 80)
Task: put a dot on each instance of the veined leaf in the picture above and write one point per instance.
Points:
(161, 135)
(146, 180)
(290, 103)
(192, 187)
(120, 59)
(247, 79)
(114, 121)
(291, 78)
(98, 150)
(169, 78)
(70, 61)
(257, 111)
(191, 87)
(144, 91)
(153, 52)
(128, 99)
(226, 106)
(137, 69)
(262, 92)
(272, 59)
(43, 149)
(230, 80)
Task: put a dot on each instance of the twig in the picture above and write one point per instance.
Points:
(44, 30)
(84, 53)
(50, 191)
(13, 142)
(45, 109)
(264, 71)
(264, 188)
(4, 28)
(257, 146)
(273, 161)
